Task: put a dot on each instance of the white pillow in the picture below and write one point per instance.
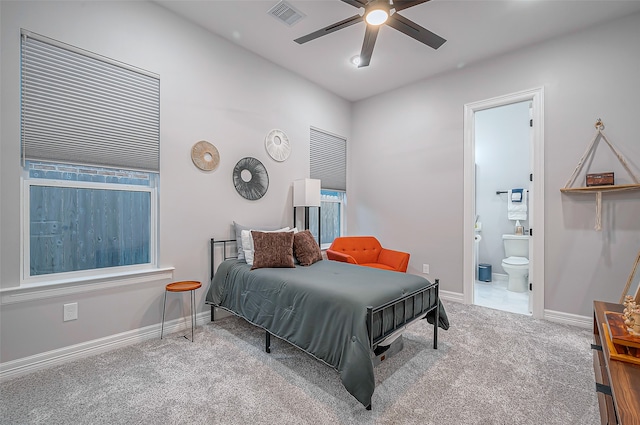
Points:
(247, 242)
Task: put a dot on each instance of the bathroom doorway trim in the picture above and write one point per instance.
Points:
(536, 251)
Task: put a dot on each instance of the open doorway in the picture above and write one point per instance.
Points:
(501, 248)
(498, 223)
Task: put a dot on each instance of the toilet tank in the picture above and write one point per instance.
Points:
(516, 245)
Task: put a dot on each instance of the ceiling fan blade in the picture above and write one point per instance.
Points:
(370, 36)
(328, 30)
(357, 3)
(413, 30)
(399, 5)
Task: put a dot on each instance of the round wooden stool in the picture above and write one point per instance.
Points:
(187, 285)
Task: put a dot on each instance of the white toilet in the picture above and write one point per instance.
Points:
(516, 265)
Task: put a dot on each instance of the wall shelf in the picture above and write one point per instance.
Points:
(608, 188)
(598, 190)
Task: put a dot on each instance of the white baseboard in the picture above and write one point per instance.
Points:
(568, 319)
(500, 276)
(59, 356)
(550, 315)
(456, 297)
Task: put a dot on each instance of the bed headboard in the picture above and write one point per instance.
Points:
(226, 243)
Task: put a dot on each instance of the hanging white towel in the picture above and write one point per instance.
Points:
(517, 210)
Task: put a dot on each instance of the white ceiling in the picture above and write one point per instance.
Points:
(475, 30)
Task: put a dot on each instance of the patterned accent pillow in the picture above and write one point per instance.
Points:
(272, 249)
(247, 242)
(306, 249)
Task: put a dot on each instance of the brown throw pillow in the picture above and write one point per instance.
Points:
(272, 249)
(306, 249)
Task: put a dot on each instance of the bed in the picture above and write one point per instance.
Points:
(345, 315)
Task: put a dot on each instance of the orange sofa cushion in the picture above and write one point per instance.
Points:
(367, 251)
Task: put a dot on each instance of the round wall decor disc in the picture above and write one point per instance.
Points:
(250, 178)
(277, 144)
(205, 156)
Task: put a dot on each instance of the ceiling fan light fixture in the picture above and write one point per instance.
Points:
(377, 15)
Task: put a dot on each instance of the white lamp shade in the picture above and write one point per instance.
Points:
(306, 193)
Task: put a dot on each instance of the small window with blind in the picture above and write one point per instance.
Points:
(90, 150)
(328, 159)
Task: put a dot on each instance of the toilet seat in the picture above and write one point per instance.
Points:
(516, 261)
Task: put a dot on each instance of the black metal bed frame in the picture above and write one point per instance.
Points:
(371, 311)
(393, 305)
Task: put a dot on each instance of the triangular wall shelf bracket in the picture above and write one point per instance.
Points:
(599, 189)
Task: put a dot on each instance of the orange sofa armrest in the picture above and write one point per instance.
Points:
(340, 256)
(397, 259)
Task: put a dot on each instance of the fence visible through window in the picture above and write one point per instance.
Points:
(331, 204)
(84, 218)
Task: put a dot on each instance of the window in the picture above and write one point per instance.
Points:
(332, 205)
(328, 163)
(84, 218)
(90, 149)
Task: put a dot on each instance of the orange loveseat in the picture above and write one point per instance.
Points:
(367, 251)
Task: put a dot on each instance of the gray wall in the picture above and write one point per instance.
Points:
(210, 90)
(406, 171)
(503, 139)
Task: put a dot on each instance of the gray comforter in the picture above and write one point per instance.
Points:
(320, 308)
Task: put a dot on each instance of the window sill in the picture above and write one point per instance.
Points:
(34, 292)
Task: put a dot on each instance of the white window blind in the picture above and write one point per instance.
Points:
(79, 107)
(328, 159)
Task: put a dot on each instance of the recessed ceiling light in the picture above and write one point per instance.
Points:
(355, 60)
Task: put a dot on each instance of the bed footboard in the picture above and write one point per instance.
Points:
(402, 315)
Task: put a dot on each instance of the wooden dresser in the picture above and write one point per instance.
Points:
(620, 379)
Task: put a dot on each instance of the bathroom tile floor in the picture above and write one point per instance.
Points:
(495, 295)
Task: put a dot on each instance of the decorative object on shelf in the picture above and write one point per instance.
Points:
(600, 179)
(205, 156)
(519, 230)
(277, 145)
(250, 178)
(631, 314)
(306, 193)
(604, 186)
(635, 291)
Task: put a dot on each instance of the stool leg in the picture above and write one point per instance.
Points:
(164, 306)
(193, 312)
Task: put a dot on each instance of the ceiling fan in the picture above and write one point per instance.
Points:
(377, 13)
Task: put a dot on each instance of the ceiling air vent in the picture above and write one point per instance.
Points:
(286, 13)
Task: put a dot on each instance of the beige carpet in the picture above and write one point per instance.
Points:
(491, 367)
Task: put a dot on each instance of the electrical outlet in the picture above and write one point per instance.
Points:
(70, 312)
(425, 268)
